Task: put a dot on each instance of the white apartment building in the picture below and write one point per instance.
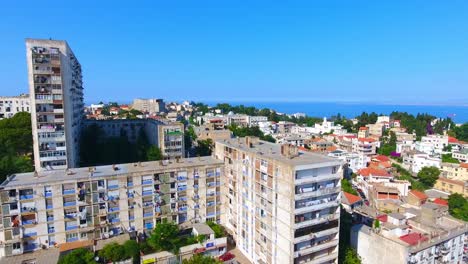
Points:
(461, 155)
(383, 119)
(366, 146)
(415, 161)
(56, 88)
(432, 144)
(10, 105)
(51, 208)
(149, 105)
(281, 205)
(354, 161)
(426, 235)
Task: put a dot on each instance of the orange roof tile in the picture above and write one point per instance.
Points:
(366, 139)
(351, 198)
(374, 172)
(452, 140)
(381, 158)
(419, 195)
(413, 238)
(383, 196)
(440, 201)
(464, 165)
(363, 128)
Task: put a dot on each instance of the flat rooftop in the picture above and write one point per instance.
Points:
(272, 151)
(101, 172)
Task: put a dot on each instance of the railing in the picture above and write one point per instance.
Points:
(68, 191)
(115, 186)
(183, 209)
(73, 203)
(48, 194)
(115, 220)
(148, 214)
(31, 234)
(68, 228)
(26, 196)
(145, 182)
(182, 188)
(146, 193)
(114, 209)
(28, 222)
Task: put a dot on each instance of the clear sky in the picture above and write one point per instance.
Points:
(398, 51)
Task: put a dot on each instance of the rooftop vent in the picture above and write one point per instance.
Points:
(289, 151)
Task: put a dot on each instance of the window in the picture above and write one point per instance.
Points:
(16, 246)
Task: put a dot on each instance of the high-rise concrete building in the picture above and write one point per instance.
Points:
(171, 140)
(53, 208)
(56, 88)
(10, 105)
(149, 105)
(281, 205)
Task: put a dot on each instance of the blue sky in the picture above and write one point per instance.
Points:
(394, 52)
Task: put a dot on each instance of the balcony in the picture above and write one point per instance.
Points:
(317, 192)
(30, 247)
(69, 191)
(316, 207)
(48, 194)
(182, 188)
(50, 218)
(148, 214)
(309, 222)
(147, 193)
(29, 234)
(114, 209)
(49, 206)
(70, 203)
(28, 196)
(114, 220)
(29, 221)
(315, 248)
(113, 187)
(181, 178)
(51, 230)
(313, 235)
(320, 178)
(129, 184)
(183, 209)
(71, 227)
(146, 182)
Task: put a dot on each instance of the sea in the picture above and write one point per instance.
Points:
(459, 114)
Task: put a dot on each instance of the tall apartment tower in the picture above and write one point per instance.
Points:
(281, 205)
(56, 88)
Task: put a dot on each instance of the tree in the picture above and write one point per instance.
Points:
(448, 158)
(204, 147)
(113, 252)
(154, 153)
(218, 229)
(458, 206)
(460, 132)
(165, 237)
(132, 250)
(347, 187)
(15, 145)
(78, 256)
(351, 257)
(201, 259)
(428, 176)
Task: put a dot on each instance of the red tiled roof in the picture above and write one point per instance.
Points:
(464, 165)
(419, 195)
(382, 218)
(413, 238)
(452, 140)
(366, 139)
(381, 158)
(374, 172)
(351, 198)
(382, 196)
(363, 128)
(440, 201)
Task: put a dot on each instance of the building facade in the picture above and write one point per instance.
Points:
(10, 105)
(56, 89)
(149, 105)
(171, 140)
(281, 205)
(48, 208)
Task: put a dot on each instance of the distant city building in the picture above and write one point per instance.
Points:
(56, 88)
(282, 205)
(209, 131)
(149, 105)
(10, 105)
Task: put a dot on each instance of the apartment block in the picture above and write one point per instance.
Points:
(171, 140)
(49, 208)
(10, 105)
(281, 205)
(56, 88)
(426, 234)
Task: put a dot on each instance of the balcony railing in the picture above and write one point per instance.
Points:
(69, 191)
(26, 196)
(68, 228)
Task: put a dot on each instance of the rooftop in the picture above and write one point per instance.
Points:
(350, 199)
(272, 151)
(100, 172)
